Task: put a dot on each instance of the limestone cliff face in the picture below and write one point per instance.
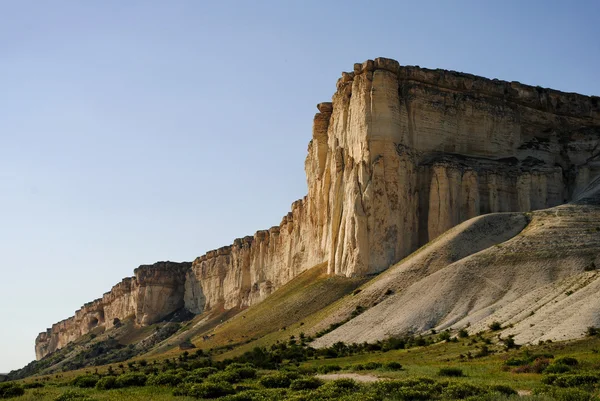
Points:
(399, 156)
(152, 294)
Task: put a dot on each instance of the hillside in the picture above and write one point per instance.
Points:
(542, 283)
(438, 202)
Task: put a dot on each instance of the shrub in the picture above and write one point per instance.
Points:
(462, 333)
(277, 380)
(211, 390)
(408, 389)
(328, 369)
(204, 372)
(372, 365)
(33, 385)
(392, 366)
(85, 381)
(71, 395)
(106, 383)
(592, 331)
(575, 380)
(537, 366)
(566, 394)
(495, 326)
(265, 394)
(244, 371)
(343, 384)
(183, 389)
(164, 379)
(11, 389)
(557, 368)
(516, 362)
(335, 389)
(450, 372)
(460, 391)
(306, 383)
(444, 336)
(567, 360)
(505, 390)
(131, 380)
(229, 376)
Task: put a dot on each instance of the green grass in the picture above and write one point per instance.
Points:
(427, 361)
(153, 393)
(418, 362)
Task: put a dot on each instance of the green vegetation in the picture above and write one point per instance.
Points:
(451, 372)
(11, 389)
(436, 370)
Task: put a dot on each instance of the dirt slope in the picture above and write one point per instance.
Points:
(542, 280)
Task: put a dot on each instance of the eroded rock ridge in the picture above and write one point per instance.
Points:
(398, 157)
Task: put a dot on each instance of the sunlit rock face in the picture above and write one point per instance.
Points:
(153, 293)
(400, 155)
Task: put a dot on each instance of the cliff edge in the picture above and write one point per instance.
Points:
(400, 155)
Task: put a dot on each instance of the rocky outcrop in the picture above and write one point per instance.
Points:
(398, 157)
(153, 293)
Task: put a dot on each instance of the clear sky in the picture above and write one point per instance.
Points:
(139, 131)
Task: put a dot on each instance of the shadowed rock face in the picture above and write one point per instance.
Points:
(398, 157)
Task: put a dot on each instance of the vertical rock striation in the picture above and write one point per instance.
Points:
(399, 156)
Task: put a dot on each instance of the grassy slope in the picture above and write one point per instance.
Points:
(426, 361)
(289, 306)
(417, 362)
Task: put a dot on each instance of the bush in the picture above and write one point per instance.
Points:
(537, 366)
(566, 394)
(495, 326)
(11, 389)
(557, 368)
(516, 362)
(85, 381)
(258, 395)
(306, 383)
(328, 369)
(574, 380)
(183, 389)
(462, 333)
(567, 360)
(243, 372)
(444, 336)
(450, 372)
(131, 380)
(229, 376)
(392, 366)
(277, 380)
(211, 390)
(372, 365)
(505, 390)
(408, 389)
(33, 385)
(204, 372)
(107, 383)
(164, 379)
(71, 395)
(460, 391)
(343, 384)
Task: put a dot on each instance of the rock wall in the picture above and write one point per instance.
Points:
(153, 293)
(399, 156)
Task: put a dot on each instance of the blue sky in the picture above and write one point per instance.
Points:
(138, 131)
